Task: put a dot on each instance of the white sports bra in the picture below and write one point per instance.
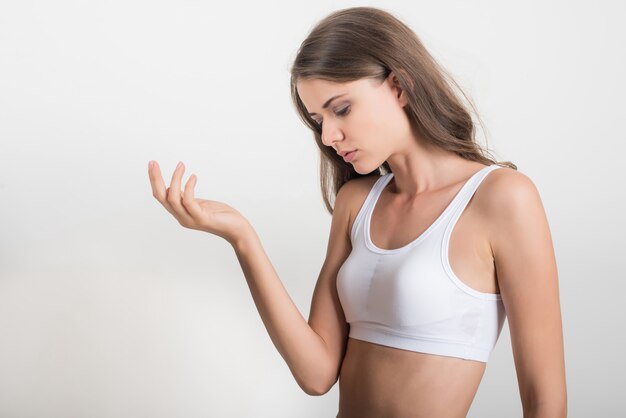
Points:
(409, 297)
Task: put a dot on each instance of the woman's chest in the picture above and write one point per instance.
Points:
(463, 242)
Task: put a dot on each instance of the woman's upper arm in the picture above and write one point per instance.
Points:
(528, 281)
(326, 316)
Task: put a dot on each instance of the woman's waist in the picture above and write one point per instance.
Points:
(388, 379)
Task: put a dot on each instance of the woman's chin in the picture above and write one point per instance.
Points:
(364, 171)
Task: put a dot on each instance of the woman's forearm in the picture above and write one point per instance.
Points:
(302, 348)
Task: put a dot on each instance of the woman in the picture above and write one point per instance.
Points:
(432, 243)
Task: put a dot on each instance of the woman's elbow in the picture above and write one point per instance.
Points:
(556, 408)
(317, 388)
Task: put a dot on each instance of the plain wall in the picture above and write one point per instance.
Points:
(109, 308)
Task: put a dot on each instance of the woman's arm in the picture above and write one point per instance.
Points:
(527, 276)
(313, 351)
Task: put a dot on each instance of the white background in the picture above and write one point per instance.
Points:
(109, 308)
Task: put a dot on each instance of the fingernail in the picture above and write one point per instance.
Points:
(150, 164)
(179, 164)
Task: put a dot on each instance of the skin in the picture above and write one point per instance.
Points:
(501, 243)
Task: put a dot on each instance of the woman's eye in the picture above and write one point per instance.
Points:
(343, 111)
(340, 112)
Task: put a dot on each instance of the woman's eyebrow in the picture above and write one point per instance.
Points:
(325, 105)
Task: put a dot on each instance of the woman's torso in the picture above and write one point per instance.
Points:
(377, 380)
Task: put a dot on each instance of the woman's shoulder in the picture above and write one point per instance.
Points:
(353, 193)
(506, 191)
(504, 185)
(357, 188)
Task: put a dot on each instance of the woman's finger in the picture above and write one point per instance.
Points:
(174, 189)
(174, 197)
(158, 187)
(156, 181)
(189, 200)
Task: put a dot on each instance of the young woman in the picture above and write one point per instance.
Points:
(432, 243)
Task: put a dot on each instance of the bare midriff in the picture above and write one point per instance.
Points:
(377, 381)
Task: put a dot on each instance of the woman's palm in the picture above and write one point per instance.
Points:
(211, 216)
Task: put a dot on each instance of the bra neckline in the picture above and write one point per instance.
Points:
(384, 182)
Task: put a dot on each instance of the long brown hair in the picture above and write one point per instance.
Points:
(365, 42)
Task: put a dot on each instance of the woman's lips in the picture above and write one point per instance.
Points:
(349, 156)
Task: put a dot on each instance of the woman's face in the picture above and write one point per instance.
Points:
(363, 115)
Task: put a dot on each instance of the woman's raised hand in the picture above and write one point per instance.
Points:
(204, 215)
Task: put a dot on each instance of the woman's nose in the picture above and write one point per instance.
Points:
(330, 134)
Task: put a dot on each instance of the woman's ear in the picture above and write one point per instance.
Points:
(394, 83)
